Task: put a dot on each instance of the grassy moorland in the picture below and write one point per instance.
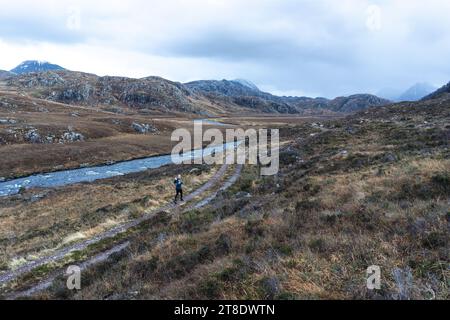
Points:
(370, 189)
(43, 136)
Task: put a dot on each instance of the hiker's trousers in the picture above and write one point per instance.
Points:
(179, 192)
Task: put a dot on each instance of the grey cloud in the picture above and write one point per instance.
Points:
(292, 45)
(18, 29)
(239, 46)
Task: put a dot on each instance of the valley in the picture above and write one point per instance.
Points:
(358, 185)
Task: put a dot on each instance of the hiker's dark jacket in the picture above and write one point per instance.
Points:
(178, 184)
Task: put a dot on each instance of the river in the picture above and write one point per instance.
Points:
(89, 174)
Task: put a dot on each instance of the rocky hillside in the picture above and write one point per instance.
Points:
(356, 102)
(239, 93)
(440, 93)
(152, 93)
(35, 66)
(235, 92)
(225, 88)
(158, 95)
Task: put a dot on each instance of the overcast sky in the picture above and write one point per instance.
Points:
(290, 47)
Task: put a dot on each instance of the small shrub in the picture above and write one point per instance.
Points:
(318, 245)
(306, 205)
(194, 221)
(254, 228)
(312, 189)
(286, 296)
(236, 273)
(289, 157)
(270, 287)
(144, 269)
(223, 244)
(178, 266)
(211, 289)
(435, 240)
(284, 249)
(442, 181)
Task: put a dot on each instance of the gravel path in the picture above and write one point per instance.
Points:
(227, 184)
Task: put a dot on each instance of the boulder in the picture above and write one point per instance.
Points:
(72, 136)
(242, 194)
(143, 128)
(33, 136)
(389, 157)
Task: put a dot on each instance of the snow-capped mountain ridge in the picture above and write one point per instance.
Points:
(35, 66)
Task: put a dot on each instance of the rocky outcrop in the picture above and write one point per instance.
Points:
(143, 128)
(71, 136)
(33, 136)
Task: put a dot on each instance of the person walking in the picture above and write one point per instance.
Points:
(178, 188)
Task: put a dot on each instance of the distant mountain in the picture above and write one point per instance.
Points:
(414, 93)
(445, 90)
(390, 93)
(417, 92)
(35, 66)
(241, 94)
(5, 74)
(356, 102)
(249, 96)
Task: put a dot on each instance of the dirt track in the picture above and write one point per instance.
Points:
(60, 254)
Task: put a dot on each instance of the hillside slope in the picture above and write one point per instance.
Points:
(442, 92)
